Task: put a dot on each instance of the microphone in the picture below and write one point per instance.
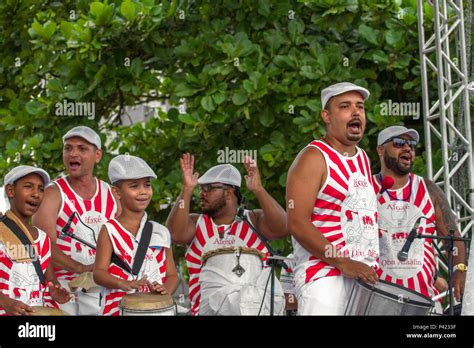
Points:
(403, 253)
(386, 183)
(240, 213)
(67, 226)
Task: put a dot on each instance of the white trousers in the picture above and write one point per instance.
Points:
(324, 296)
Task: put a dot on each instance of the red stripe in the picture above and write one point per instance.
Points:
(124, 255)
(421, 281)
(192, 259)
(193, 270)
(333, 175)
(427, 208)
(420, 194)
(193, 292)
(243, 231)
(351, 165)
(200, 236)
(98, 198)
(327, 229)
(331, 191)
(109, 205)
(361, 166)
(367, 168)
(399, 282)
(325, 218)
(252, 240)
(123, 234)
(233, 229)
(333, 157)
(210, 230)
(195, 249)
(312, 270)
(334, 237)
(323, 204)
(69, 194)
(411, 283)
(4, 275)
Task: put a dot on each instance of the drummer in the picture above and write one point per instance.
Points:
(91, 200)
(130, 177)
(20, 284)
(332, 208)
(216, 227)
(399, 207)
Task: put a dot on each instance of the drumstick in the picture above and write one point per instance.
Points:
(439, 296)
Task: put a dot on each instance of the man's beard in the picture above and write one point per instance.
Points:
(392, 164)
(214, 208)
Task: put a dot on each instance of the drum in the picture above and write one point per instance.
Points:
(386, 299)
(47, 311)
(84, 281)
(145, 303)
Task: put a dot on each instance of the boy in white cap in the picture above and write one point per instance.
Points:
(26, 278)
(411, 199)
(130, 177)
(86, 200)
(332, 207)
(217, 227)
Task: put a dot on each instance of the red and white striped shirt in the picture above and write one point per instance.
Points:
(19, 281)
(345, 212)
(94, 212)
(398, 211)
(125, 247)
(206, 239)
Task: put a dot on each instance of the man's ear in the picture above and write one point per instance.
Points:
(325, 116)
(380, 150)
(98, 155)
(10, 191)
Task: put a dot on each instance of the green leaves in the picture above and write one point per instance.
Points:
(129, 10)
(368, 33)
(102, 13)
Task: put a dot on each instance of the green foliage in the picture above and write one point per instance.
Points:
(249, 74)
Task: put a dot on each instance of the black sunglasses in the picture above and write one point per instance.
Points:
(400, 142)
(209, 187)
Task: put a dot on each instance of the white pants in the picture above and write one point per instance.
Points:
(324, 296)
(81, 303)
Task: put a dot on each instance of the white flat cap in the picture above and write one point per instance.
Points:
(395, 131)
(127, 167)
(339, 88)
(223, 173)
(21, 171)
(86, 133)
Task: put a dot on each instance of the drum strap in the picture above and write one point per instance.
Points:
(142, 248)
(27, 244)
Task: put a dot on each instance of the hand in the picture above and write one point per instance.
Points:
(441, 284)
(190, 179)
(459, 278)
(157, 287)
(14, 307)
(58, 293)
(86, 268)
(357, 270)
(252, 180)
(129, 285)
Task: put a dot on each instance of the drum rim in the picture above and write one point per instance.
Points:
(173, 306)
(407, 301)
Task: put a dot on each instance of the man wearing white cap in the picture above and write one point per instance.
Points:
(217, 228)
(331, 207)
(86, 200)
(411, 199)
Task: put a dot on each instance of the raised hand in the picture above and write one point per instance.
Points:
(190, 179)
(252, 179)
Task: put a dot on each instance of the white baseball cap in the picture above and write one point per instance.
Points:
(395, 131)
(21, 171)
(223, 173)
(86, 133)
(127, 167)
(340, 88)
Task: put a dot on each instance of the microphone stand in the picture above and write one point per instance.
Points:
(450, 239)
(273, 260)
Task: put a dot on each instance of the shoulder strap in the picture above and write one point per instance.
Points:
(27, 244)
(142, 248)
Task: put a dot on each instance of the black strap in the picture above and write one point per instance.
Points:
(142, 248)
(27, 244)
(118, 262)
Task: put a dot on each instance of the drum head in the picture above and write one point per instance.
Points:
(399, 293)
(84, 281)
(47, 311)
(146, 301)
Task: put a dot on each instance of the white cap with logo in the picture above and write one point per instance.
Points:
(223, 173)
(127, 167)
(86, 133)
(340, 88)
(21, 171)
(395, 131)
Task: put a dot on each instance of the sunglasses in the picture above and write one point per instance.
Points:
(209, 187)
(400, 142)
